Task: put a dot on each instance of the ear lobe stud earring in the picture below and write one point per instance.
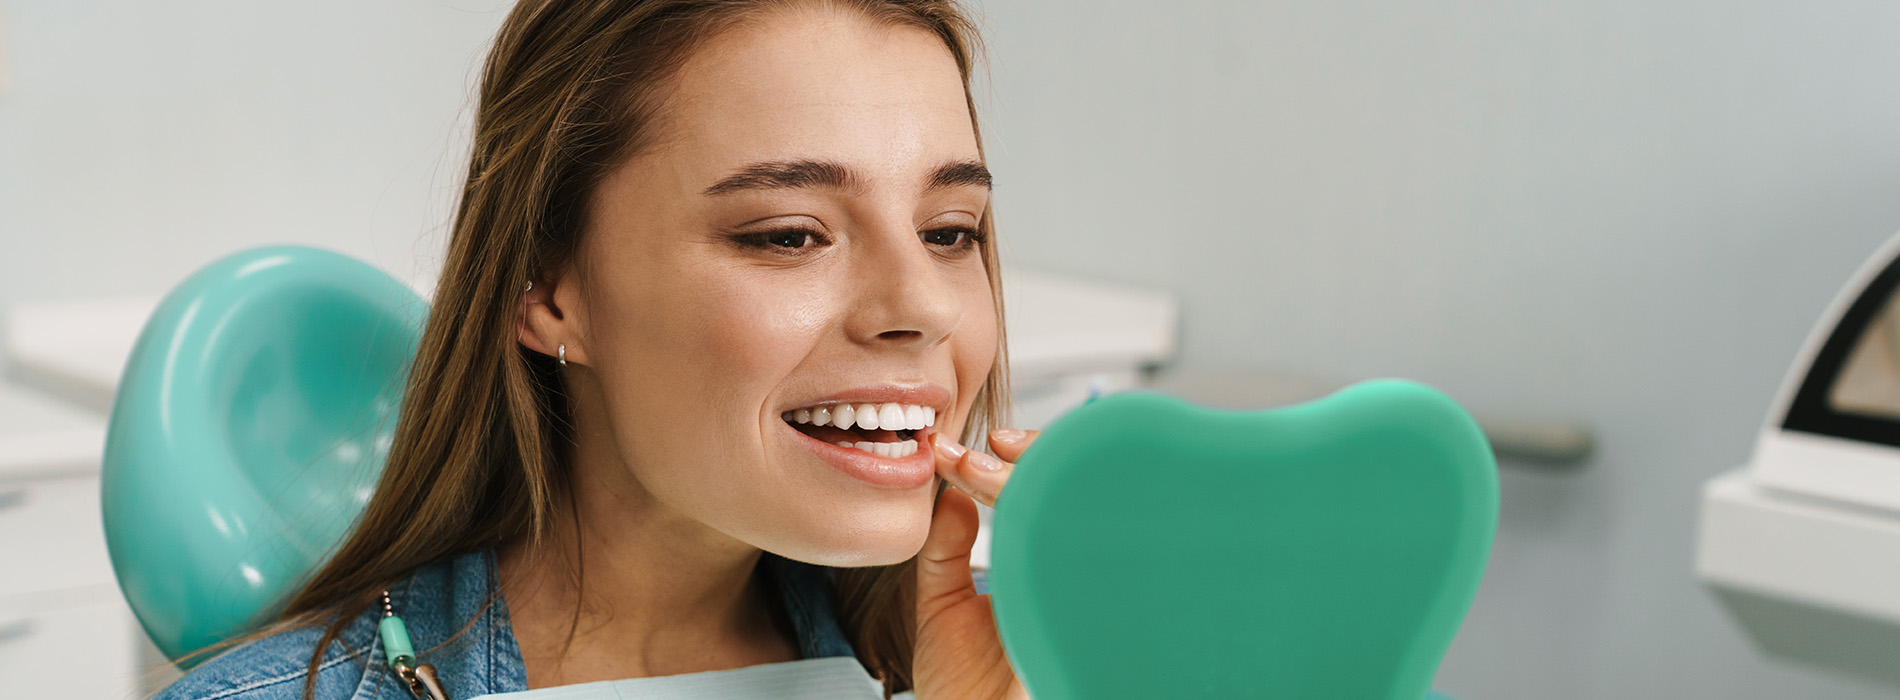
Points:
(530, 286)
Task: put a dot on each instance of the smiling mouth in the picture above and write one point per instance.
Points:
(882, 429)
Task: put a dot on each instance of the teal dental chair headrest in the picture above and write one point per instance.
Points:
(248, 431)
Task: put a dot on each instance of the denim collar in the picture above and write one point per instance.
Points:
(439, 600)
(457, 621)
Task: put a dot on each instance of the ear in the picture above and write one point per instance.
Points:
(550, 317)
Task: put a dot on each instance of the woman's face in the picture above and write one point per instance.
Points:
(799, 238)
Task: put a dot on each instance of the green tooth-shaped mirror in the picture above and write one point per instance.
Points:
(1148, 548)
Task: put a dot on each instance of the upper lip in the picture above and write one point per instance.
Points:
(931, 395)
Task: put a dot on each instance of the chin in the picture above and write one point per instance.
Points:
(849, 542)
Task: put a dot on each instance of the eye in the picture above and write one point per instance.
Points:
(791, 238)
(784, 241)
(953, 237)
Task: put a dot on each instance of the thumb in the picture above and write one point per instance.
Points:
(943, 566)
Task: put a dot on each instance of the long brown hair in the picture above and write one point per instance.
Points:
(571, 89)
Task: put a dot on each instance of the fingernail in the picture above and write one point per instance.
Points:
(948, 447)
(985, 462)
(1008, 435)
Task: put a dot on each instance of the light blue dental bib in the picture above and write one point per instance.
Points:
(829, 678)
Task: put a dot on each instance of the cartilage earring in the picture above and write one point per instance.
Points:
(563, 353)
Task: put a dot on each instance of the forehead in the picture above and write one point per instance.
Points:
(813, 82)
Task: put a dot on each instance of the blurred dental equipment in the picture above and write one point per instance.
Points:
(1802, 544)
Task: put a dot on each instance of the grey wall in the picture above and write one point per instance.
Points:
(1624, 211)
(140, 140)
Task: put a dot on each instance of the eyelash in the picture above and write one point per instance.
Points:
(967, 239)
(764, 241)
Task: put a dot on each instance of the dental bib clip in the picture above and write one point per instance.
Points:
(420, 678)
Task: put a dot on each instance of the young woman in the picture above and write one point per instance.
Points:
(719, 313)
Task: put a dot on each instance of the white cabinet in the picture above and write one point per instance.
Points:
(65, 632)
(1070, 338)
(72, 644)
(51, 538)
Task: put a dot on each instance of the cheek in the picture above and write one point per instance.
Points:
(687, 349)
(762, 331)
(976, 343)
(725, 344)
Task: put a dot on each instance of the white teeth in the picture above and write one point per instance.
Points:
(891, 416)
(867, 416)
(894, 450)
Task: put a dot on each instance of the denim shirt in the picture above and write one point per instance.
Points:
(436, 602)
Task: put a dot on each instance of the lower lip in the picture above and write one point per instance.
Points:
(911, 472)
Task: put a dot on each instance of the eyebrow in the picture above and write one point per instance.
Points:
(959, 174)
(791, 174)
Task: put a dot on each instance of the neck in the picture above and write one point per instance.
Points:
(623, 587)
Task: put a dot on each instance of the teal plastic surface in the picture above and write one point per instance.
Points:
(253, 418)
(1148, 548)
(395, 636)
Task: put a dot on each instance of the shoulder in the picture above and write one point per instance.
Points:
(277, 665)
(445, 608)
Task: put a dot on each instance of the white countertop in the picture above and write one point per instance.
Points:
(42, 437)
(1056, 323)
(1835, 555)
(75, 349)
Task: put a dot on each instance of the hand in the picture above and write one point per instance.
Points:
(958, 653)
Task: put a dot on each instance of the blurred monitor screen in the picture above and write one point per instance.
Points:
(1852, 389)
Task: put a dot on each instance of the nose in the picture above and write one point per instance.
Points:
(905, 297)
